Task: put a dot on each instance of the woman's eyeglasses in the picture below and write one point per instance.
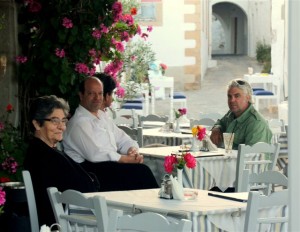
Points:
(57, 121)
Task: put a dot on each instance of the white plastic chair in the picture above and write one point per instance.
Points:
(256, 201)
(34, 221)
(146, 222)
(79, 222)
(214, 116)
(206, 122)
(268, 157)
(151, 118)
(264, 181)
(134, 133)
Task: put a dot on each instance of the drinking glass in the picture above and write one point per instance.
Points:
(228, 141)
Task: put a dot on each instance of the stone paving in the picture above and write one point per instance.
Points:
(212, 96)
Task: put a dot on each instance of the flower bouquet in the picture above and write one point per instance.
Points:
(178, 161)
(163, 68)
(199, 133)
(180, 112)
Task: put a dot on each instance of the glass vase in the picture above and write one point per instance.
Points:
(177, 126)
(194, 146)
(179, 177)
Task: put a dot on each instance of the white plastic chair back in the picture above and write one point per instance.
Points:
(214, 116)
(34, 221)
(151, 118)
(147, 222)
(265, 180)
(134, 133)
(206, 122)
(265, 160)
(94, 218)
(256, 201)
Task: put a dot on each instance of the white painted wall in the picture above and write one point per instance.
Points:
(168, 40)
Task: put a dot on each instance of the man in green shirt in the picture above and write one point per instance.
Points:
(248, 126)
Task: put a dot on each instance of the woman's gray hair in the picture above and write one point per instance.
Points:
(42, 107)
(243, 85)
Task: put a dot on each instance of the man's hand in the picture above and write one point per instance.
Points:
(216, 136)
(133, 156)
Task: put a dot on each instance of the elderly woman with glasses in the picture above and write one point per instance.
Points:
(48, 166)
(248, 125)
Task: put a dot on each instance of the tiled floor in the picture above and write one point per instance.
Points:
(212, 96)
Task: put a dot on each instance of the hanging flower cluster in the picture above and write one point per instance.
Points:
(179, 161)
(62, 41)
(180, 112)
(199, 132)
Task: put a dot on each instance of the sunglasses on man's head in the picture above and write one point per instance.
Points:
(240, 82)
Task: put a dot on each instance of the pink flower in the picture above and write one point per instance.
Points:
(119, 45)
(67, 23)
(144, 36)
(199, 131)
(117, 11)
(182, 111)
(190, 160)
(113, 68)
(96, 34)
(163, 66)
(60, 52)
(21, 59)
(127, 19)
(125, 36)
(178, 161)
(149, 28)
(120, 92)
(2, 126)
(34, 6)
(82, 68)
(170, 160)
(2, 196)
(104, 29)
(10, 165)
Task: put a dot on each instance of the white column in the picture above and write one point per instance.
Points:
(294, 113)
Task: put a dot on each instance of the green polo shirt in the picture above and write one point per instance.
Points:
(248, 129)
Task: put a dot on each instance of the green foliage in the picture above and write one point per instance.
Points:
(43, 32)
(263, 55)
(137, 57)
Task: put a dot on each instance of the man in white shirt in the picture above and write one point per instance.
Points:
(92, 139)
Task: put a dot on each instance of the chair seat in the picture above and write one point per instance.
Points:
(178, 95)
(262, 93)
(137, 106)
(257, 89)
(136, 100)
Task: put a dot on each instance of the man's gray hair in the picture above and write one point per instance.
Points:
(243, 85)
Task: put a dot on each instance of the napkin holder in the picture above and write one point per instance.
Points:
(177, 189)
(166, 188)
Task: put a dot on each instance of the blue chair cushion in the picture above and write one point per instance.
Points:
(135, 100)
(137, 106)
(178, 95)
(262, 92)
(257, 89)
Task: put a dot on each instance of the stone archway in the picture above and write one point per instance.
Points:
(229, 30)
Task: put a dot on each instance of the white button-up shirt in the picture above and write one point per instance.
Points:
(95, 139)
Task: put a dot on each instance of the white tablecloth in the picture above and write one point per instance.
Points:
(155, 135)
(211, 170)
(204, 211)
